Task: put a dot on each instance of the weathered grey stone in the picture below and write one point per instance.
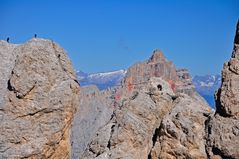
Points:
(38, 100)
(6, 66)
(156, 66)
(152, 95)
(129, 133)
(94, 111)
(228, 94)
(223, 133)
(185, 84)
(182, 132)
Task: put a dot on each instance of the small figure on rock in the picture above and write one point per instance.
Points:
(35, 35)
(8, 39)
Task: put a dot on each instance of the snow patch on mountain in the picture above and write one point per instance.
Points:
(102, 80)
(209, 84)
(206, 86)
(81, 75)
(108, 74)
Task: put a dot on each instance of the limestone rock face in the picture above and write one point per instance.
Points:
(182, 132)
(38, 98)
(6, 66)
(223, 137)
(156, 66)
(129, 132)
(227, 96)
(223, 127)
(156, 114)
(151, 121)
(185, 84)
(93, 112)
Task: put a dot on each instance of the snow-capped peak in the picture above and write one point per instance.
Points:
(108, 74)
(207, 80)
(102, 80)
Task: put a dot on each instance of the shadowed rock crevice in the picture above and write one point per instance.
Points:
(17, 93)
(149, 156)
(156, 135)
(218, 152)
(9, 86)
(219, 108)
(155, 138)
(111, 133)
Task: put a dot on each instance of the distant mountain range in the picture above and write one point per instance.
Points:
(102, 80)
(205, 85)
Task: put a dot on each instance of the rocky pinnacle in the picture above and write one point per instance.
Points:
(223, 127)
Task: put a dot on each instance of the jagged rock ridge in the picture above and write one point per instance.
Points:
(205, 85)
(156, 66)
(95, 109)
(136, 112)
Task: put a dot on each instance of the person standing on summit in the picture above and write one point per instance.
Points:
(8, 39)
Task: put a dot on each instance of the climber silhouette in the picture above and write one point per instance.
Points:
(8, 39)
(35, 35)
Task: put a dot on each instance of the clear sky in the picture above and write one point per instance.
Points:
(105, 35)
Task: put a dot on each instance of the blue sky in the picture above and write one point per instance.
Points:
(104, 35)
